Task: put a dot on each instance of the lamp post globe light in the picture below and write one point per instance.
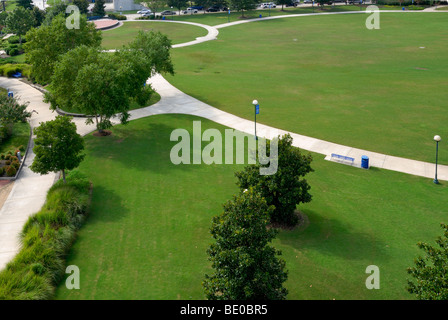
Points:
(255, 103)
(437, 139)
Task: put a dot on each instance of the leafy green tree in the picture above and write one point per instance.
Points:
(46, 44)
(246, 267)
(430, 272)
(57, 146)
(178, 4)
(287, 187)
(3, 16)
(39, 16)
(99, 8)
(83, 6)
(27, 4)
(53, 11)
(11, 111)
(241, 5)
(102, 84)
(19, 21)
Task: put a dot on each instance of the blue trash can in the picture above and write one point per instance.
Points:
(365, 162)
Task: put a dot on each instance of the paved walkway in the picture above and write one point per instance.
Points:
(30, 189)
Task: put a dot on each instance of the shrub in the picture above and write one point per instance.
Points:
(2, 171)
(2, 156)
(10, 68)
(143, 97)
(117, 16)
(13, 52)
(46, 238)
(11, 171)
(15, 40)
(16, 164)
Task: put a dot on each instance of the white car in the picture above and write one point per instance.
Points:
(190, 10)
(266, 5)
(144, 11)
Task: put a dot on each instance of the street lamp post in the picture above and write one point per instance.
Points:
(437, 140)
(256, 110)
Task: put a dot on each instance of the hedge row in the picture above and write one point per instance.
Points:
(116, 16)
(7, 70)
(46, 238)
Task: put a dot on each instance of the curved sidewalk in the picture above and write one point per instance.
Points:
(175, 101)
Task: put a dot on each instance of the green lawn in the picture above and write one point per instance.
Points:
(178, 33)
(331, 78)
(148, 230)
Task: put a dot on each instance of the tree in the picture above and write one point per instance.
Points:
(27, 4)
(102, 84)
(83, 6)
(11, 111)
(3, 16)
(57, 146)
(99, 8)
(179, 4)
(241, 5)
(19, 22)
(283, 3)
(39, 16)
(430, 272)
(46, 44)
(53, 11)
(287, 187)
(246, 267)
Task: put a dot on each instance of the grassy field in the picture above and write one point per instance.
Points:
(148, 229)
(331, 78)
(178, 33)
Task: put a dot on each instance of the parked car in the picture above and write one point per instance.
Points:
(197, 7)
(190, 11)
(266, 5)
(167, 13)
(293, 3)
(213, 9)
(143, 11)
(148, 14)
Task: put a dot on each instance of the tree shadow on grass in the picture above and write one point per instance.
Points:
(106, 206)
(145, 145)
(335, 238)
